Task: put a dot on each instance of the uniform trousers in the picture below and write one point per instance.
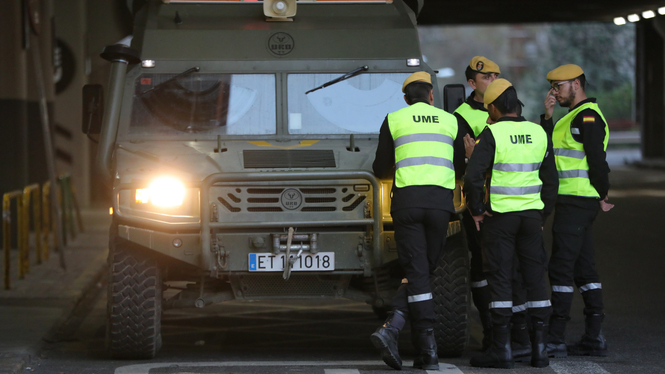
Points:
(420, 235)
(510, 235)
(572, 261)
(479, 285)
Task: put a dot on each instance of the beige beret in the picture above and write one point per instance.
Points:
(495, 89)
(484, 65)
(564, 73)
(419, 76)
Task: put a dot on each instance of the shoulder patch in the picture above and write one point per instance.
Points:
(586, 119)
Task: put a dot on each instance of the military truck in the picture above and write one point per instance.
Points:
(238, 138)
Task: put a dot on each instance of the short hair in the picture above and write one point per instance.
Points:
(470, 73)
(416, 91)
(508, 102)
(582, 80)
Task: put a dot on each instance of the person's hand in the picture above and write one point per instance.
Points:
(604, 205)
(479, 219)
(550, 102)
(469, 144)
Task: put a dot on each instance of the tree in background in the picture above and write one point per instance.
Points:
(526, 53)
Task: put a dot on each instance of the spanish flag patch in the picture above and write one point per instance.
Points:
(477, 141)
(586, 119)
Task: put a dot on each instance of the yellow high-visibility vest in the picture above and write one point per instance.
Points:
(423, 136)
(476, 118)
(570, 157)
(520, 150)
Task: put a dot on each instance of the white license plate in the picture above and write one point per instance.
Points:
(321, 261)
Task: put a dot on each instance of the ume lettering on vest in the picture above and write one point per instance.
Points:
(426, 119)
(520, 139)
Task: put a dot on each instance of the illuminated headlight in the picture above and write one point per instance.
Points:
(164, 192)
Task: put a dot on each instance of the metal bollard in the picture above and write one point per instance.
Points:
(69, 207)
(7, 229)
(46, 218)
(33, 191)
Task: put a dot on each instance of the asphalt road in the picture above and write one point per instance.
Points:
(331, 337)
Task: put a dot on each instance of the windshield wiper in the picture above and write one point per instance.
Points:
(346, 76)
(186, 72)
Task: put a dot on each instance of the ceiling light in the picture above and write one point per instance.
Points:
(661, 10)
(619, 21)
(633, 17)
(648, 14)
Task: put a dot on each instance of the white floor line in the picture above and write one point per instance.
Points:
(145, 368)
(341, 371)
(575, 367)
(446, 369)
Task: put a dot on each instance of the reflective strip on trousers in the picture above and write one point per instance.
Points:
(538, 304)
(426, 160)
(519, 308)
(569, 153)
(577, 173)
(419, 298)
(503, 166)
(566, 289)
(441, 138)
(591, 286)
(516, 191)
(501, 304)
(482, 283)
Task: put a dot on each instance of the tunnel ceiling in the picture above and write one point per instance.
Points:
(436, 12)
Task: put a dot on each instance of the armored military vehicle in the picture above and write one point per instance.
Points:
(238, 138)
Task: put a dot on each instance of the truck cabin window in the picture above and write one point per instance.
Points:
(357, 105)
(217, 104)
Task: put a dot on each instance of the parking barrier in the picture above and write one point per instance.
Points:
(36, 200)
(7, 228)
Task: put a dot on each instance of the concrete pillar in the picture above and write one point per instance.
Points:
(650, 86)
(71, 145)
(41, 46)
(13, 98)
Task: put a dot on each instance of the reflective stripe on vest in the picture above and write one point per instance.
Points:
(423, 137)
(571, 161)
(520, 150)
(476, 118)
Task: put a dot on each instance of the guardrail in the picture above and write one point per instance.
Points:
(36, 200)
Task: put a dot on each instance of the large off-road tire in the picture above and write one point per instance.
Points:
(134, 302)
(450, 289)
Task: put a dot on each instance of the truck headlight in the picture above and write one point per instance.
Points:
(163, 192)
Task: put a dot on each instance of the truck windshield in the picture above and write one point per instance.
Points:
(354, 106)
(225, 104)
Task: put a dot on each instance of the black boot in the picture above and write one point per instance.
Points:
(539, 355)
(427, 358)
(520, 342)
(481, 299)
(385, 339)
(593, 342)
(556, 341)
(499, 355)
(486, 320)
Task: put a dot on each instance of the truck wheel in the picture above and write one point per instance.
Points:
(450, 291)
(134, 302)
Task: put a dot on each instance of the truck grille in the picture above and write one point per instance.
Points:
(280, 159)
(273, 199)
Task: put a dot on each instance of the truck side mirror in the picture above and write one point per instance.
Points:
(453, 96)
(93, 109)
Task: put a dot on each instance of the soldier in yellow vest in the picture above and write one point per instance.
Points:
(422, 147)
(522, 191)
(472, 114)
(580, 141)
